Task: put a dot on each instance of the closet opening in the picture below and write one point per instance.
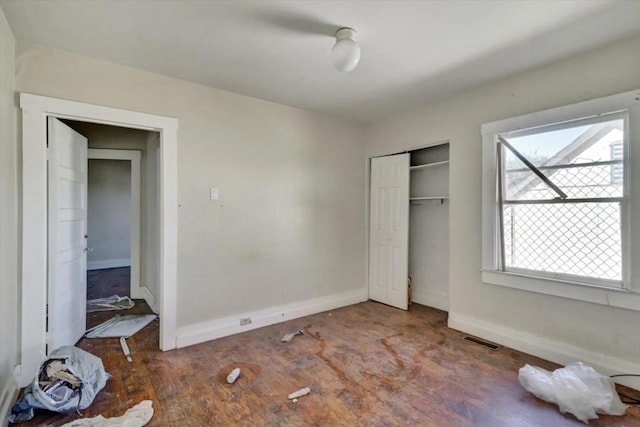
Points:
(409, 228)
(429, 226)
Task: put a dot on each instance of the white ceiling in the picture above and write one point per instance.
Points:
(412, 51)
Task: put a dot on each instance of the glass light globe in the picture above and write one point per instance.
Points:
(345, 54)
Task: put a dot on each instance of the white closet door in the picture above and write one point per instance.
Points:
(389, 230)
(67, 235)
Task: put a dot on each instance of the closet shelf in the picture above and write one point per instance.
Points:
(429, 165)
(417, 199)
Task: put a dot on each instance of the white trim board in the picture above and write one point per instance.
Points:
(7, 398)
(149, 298)
(110, 263)
(430, 299)
(206, 331)
(554, 351)
(35, 110)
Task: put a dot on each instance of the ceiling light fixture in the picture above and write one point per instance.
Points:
(345, 54)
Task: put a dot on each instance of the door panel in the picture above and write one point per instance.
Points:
(67, 262)
(389, 230)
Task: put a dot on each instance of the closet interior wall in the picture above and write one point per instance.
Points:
(429, 226)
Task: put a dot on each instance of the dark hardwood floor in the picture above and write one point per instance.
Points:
(366, 365)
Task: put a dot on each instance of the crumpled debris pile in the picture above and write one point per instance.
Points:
(577, 389)
(67, 381)
(114, 302)
(57, 381)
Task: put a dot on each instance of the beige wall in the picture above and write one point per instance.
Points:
(609, 70)
(109, 211)
(8, 213)
(289, 224)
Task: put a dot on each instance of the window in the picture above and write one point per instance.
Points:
(557, 198)
(561, 211)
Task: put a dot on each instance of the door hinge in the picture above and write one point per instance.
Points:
(47, 340)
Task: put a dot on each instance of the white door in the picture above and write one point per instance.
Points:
(67, 269)
(389, 230)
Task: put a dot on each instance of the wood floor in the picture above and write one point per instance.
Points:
(366, 365)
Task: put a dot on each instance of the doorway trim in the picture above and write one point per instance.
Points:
(35, 110)
(138, 291)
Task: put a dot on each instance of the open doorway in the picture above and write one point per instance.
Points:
(122, 212)
(109, 228)
(36, 112)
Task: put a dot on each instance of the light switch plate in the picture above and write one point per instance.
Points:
(215, 195)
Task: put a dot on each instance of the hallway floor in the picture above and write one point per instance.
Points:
(107, 282)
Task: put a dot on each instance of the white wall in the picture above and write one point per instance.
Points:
(109, 213)
(8, 217)
(429, 253)
(289, 224)
(595, 328)
(429, 239)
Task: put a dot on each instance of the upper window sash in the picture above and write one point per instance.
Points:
(599, 127)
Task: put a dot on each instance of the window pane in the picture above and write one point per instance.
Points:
(584, 161)
(582, 239)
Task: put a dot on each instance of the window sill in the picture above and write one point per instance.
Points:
(621, 298)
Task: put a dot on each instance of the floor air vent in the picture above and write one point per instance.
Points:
(480, 341)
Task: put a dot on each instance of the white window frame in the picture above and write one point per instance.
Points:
(628, 296)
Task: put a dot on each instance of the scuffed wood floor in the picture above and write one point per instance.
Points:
(366, 365)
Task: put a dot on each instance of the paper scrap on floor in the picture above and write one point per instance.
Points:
(289, 337)
(114, 302)
(120, 326)
(136, 416)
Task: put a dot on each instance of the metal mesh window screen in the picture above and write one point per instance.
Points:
(594, 180)
(579, 235)
(581, 239)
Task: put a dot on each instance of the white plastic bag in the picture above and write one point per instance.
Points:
(137, 416)
(62, 396)
(576, 388)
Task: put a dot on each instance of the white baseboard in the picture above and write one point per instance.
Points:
(218, 328)
(7, 399)
(138, 292)
(108, 263)
(149, 298)
(554, 351)
(430, 299)
(143, 292)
